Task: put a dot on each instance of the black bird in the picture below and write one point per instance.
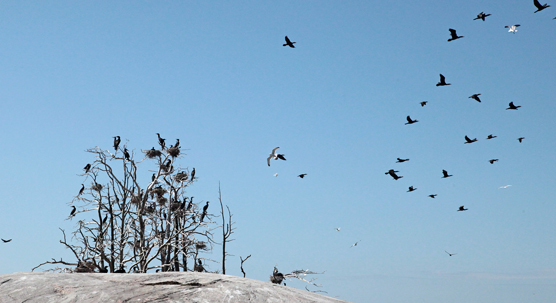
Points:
(520, 139)
(433, 196)
(461, 208)
(104, 220)
(482, 16)
(401, 160)
(512, 106)
(177, 143)
(467, 140)
(289, 43)
(302, 176)
(116, 142)
(475, 97)
(393, 174)
(121, 270)
(6, 241)
(205, 208)
(87, 167)
(423, 103)
(491, 136)
(190, 204)
(161, 141)
(193, 174)
(539, 6)
(81, 190)
(281, 157)
(126, 154)
(442, 81)
(492, 161)
(409, 121)
(153, 177)
(449, 254)
(445, 174)
(73, 211)
(454, 35)
(411, 188)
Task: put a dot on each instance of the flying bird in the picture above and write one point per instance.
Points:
(442, 81)
(482, 16)
(445, 174)
(81, 190)
(492, 161)
(491, 137)
(393, 174)
(461, 208)
(355, 244)
(302, 176)
(411, 188)
(454, 35)
(87, 167)
(433, 196)
(6, 241)
(337, 229)
(276, 175)
(73, 211)
(467, 140)
(505, 186)
(520, 139)
(289, 43)
(512, 106)
(449, 254)
(274, 156)
(513, 28)
(475, 97)
(401, 160)
(423, 103)
(117, 141)
(409, 121)
(539, 6)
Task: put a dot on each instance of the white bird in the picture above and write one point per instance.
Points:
(337, 229)
(504, 186)
(276, 175)
(513, 28)
(275, 156)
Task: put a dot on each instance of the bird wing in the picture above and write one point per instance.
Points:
(537, 4)
(442, 78)
(268, 160)
(409, 119)
(274, 150)
(288, 40)
(453, 33)
(467, 139)
(512, 104)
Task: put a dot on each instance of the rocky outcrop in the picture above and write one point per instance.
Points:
(156, 287)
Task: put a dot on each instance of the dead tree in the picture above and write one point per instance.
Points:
(241, 265)
(227, 229)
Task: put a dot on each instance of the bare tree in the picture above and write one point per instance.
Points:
(241, 265)
(227, 229)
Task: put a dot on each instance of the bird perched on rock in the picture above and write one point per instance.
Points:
(491, 137)
(445, 174)
(411, 188)
(512, 106)
(442, 81)
(482, 16)
(512, 28)
(302, 176)
(454, 35)
(467, 140)
(461, 208)
(539, 6)
(393, 174)
(492, 161)
(409, 121)
(87, 167)
(475, 97)
(289, 43)
(117, 141)
(401, 160)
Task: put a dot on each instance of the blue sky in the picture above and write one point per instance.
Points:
(217, 77)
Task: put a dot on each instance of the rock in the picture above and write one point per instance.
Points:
(154, 287)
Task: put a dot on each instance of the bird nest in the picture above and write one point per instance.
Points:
(161, 201)
(181, 177)
(97, 187)
(201, 245)
(150, 209)
(136, 200)
(153, 153)
(159, 191)
(173, 151)
(175, 206)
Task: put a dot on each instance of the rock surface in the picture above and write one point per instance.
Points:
(156, 287)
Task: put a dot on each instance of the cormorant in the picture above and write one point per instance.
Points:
(190, 204)
(461, 208)
(409, 121)
(393, 174)
(482, 16)
(442, 81)
(401, 160)
(475, 97)
(512, 106)
(177, 143)
(433, 196)
(289, 43)
(161, 141)
(87, 167)
(491, 137)
(73, 211)
(492, 161)
(411, 188)
(454, 35)
(449, 254)
(467, 140)
(116, 142)
(539, 6)
(281, 157)
(6, 241)
(193, 174)
(423, 103)
(81, 190)
(520, 139)
(121, 270)
(445, 174)
(205, 208)
(126, 154)
(302, 176)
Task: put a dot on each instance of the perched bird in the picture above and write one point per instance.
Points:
(302, 176)
(467, 140)
(81, 190)
(491, 137)
(450, 254)
(520, 139)
(492, 161)
(433, 196)
(205, 208)
(454, 35)
(401, 160)
(87, 167)
(161, 141)
(275, 156)
(177, 143)
(409, 121)
(393, 174)
(539, 6)
(411, 188)
(442, 81)
(73, 211)
(121, 270)
(355, 244)
(445, 174)
(475, 97)
(190, 204)
(512, 106)
(126, 154)
(289, 43)
(512, 28)
(423, 103)
(461, 208)
(116, 142)
(6, 241)
(482, 16)
(193, 174)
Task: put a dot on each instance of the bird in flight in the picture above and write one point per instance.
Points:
(449, 254)
(289, 43)
(442, 81)
(275, 156)
(445, 174)
(467, 140)
(539, 6)
(482, 16)
(423, 103)
(520, 139)
(433, 196)
(393, 174)
(475, 97)
(6, 241)
(411, 188)
(409, 121)
(454, 35)
(401, 160)
(513, 28)
(355, 244)
(512, 106)
(461, 208)
(491, 137)
(505, 186)
(492, 161)
(337, 228)
(276, 175)
(302, 176)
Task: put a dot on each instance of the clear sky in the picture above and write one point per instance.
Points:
(216, 76)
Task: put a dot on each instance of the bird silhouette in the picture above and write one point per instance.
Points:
(289, 43)
(482, 16)
(177, 143)
(205, 208)
(126, 154)
(411, 188)
(337, 228)
(161, 141)
(442, 81)
(539, 6)
(475, 97)
(512, 106)
(520, 139)
(492, 161)
(467, 140)
(302, 176)
(87, 167)
(401, 160)
(193, 175)
(450, 254)
(117, 141)
(355, 244)
(6, 241)
(461, 208)
(454, 35)
(73, 211)
(393, 174)
(81, 190)
(433, 196)
(512, 28)
(423, 103)
(445, 174)
(281, 157)
(409, 121)
(275, 156)
(491, 137)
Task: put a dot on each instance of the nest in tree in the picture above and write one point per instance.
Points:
(201, 245)
(153, 153)
(161, 201)
(181, 176)
(159, 191)
(150, 209)
(136, 200)
(173, 151)
(175, 206)
(97, 187)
